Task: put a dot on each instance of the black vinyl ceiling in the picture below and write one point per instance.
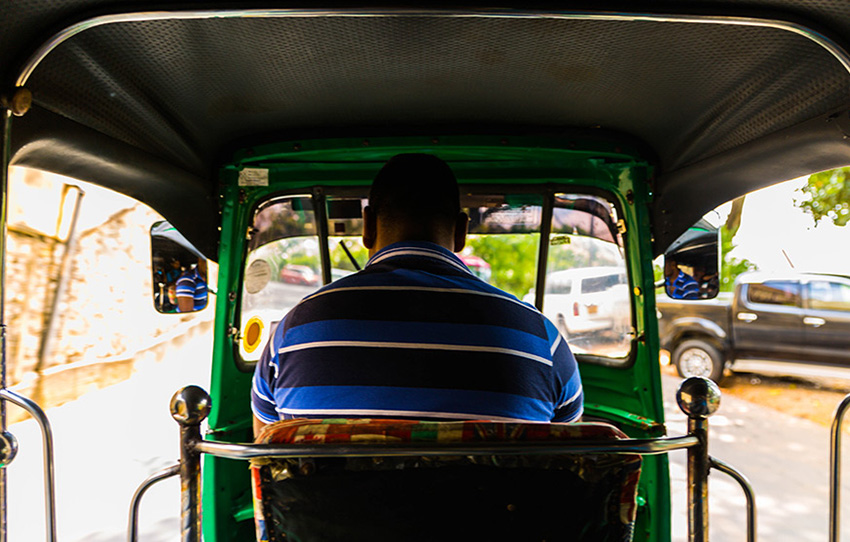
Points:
(150, 107)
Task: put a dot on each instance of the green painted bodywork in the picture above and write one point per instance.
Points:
(628, 395)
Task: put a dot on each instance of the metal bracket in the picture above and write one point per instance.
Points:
(133, 528)
(18, 101)
(8, 448)
(748, 493)
(47, 441)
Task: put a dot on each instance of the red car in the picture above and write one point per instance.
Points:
(299, 274)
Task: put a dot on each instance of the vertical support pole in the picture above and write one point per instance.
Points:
(47, 444)
(189, 407)
(698, 481)
(320, 213)
(543, 249)
(17, 103)
(698, 398)
(5, 156)
(835, 470)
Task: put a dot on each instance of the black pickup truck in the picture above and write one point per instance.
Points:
(801, 318)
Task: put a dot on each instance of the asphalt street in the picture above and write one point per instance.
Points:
(106, 444)
(786, 460)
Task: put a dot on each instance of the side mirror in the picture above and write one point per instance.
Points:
(179, 271)
(691, 264)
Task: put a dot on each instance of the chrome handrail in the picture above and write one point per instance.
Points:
(5, 157)
(655, 446)
(698, 398)
(47, 442)
(133, 527)
(750, 495)
(827, 43)
(835, 469)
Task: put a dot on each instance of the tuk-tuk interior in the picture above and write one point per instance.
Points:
(584, 135)
(516, 194)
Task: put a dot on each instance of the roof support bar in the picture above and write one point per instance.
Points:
(5, 156)
(827, 43)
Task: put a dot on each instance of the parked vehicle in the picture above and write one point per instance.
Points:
(564, 122)
(478, 266)
(803, 318)
(587, 300)
(299, 274)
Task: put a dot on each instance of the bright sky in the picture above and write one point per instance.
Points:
(771, 223)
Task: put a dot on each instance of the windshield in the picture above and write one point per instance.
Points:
(586, 292)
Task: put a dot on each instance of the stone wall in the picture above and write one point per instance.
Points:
(29, 271)
(105, 319)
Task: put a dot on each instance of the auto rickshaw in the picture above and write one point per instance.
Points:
(583, 134)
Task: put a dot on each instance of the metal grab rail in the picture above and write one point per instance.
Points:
(835, 469)
(278, 451)
(47, 441)
(697, 397)
(748, 493)
(133, 527)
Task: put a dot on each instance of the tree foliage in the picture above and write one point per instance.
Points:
(828, 196)
(340, 259)
(512, 260)
(731, 267)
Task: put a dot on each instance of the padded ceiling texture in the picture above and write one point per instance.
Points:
(180, 93)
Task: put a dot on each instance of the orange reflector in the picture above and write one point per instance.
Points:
(252, 335)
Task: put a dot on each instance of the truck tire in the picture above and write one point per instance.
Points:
(698, 358)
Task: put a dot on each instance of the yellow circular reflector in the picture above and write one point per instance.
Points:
(253, 334)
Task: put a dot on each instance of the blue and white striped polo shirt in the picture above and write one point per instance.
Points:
(191, 284)
(416, 335)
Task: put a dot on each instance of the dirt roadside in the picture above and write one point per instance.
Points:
(808, 397)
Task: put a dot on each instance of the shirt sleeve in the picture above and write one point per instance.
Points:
(185, 287)
(263, 404)
(569, 404)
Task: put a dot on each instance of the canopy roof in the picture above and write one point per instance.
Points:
(724, 96)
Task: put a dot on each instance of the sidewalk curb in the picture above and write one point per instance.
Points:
(64, 383)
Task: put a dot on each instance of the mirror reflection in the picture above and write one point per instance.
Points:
(179, 271)
(691, 263)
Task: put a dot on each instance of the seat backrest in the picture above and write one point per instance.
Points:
(500, 497)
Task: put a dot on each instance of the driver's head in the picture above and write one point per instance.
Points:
(415, 187)
(414, 197)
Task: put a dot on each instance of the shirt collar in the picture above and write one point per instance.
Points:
(422, 249)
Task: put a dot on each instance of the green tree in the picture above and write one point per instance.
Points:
(828, 196)
(340, 259)
(731, 267)
(512, 260)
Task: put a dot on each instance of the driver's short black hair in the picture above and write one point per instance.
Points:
(415, 186)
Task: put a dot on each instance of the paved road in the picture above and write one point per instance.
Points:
(108, 442)
(786, 460)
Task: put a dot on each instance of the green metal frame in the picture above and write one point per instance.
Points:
(628, 395)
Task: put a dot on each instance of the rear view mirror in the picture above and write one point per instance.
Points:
(179, 271)
(691, 269)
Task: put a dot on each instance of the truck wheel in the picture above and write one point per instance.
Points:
(698, 358)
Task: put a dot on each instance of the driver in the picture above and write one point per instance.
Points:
(415, 334)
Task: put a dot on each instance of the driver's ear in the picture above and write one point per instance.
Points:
(370, 227)
(461, 224)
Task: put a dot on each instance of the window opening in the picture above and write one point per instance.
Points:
(586, 293)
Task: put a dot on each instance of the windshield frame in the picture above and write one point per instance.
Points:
(545, 190)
